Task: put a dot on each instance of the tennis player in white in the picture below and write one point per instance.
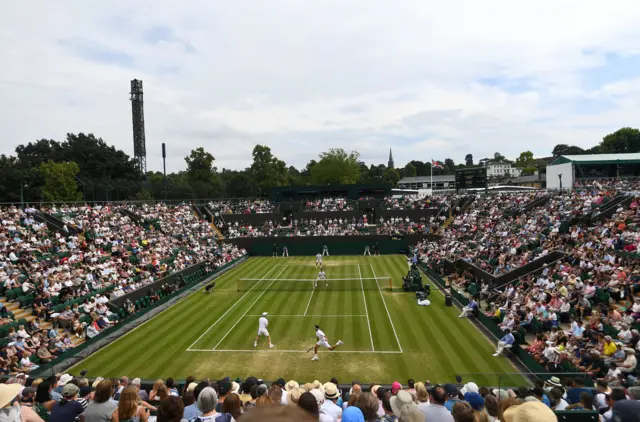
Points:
(322, 276)
(263, 323)
(322, 341)
(319, 260)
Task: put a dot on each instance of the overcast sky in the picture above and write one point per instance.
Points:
(431, 79)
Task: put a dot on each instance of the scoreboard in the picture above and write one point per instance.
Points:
(472, 178)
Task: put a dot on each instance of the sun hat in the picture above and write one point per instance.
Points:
(235, 387)
(500, 394)
(64, 380)
(96, 382)
(319, 395)
(402, 403)
(264, 314)
(331, 391)
(291, 385)
(70, 390)
(317, 385)
(555, 381)
(8, 392)
(470, 387)
(534, 411)
(294, 395)
(475, 400)
(308, 387)
(192, 386)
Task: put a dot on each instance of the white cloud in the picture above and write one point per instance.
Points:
(431, 79)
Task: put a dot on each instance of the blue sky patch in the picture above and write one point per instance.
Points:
(95, 51)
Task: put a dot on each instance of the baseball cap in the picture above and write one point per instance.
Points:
(281, 382)
(450, 389)
(475, 400)
(224, 387)
(70, 390)
(264, 314)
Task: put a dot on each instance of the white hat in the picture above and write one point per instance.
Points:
(264, 314)
(470, 387)
(64, 380)
(8, 392)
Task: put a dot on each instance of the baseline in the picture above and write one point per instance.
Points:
(384, 302)
(229, 310)
(377, 352)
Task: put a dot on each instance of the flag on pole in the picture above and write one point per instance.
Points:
(437, 164)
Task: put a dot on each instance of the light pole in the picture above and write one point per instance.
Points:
(560, 180)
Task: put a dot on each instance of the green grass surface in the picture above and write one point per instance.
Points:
(387, 335)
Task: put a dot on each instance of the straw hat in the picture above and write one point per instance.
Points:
(8, 392)
(534, 411)
(291, 385)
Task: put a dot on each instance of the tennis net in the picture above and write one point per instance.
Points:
(298, 284)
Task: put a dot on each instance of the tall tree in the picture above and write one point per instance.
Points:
(59, 181)
(267, 170)
(564, 149)
(422, 168)
(200, 165)
(498, 157)
(526, 162)
(468, 160)
(449, 166)
(336, 166)
(623, 140)
(410, 170)
(236, 184)
(391, 176)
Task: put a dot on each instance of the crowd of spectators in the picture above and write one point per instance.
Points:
(404, 225)
(328, 204)
(578, 313)
(414, 202)
(297, 227)
(243, 206)
(67, 277)
(64, 398)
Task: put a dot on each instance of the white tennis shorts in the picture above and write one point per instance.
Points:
(323, 343)
(263, 332)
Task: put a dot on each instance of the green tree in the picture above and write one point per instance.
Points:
(625, 140)
(336, 166)
(410, 170)
(59, 181)
(525, 161)
(237, 184)
(468, 159)
(498, 157)
(422, 168)
(449, 166)
(267, 170)
(564, 149)
(200, 165)
(391, 176)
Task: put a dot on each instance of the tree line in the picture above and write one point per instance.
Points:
(84, 167)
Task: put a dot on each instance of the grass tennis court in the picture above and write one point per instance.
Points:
(386, 335)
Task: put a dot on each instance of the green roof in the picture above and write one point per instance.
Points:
(630, 158)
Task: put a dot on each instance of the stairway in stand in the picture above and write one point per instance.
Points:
(20, 313)
(217, 231)
(445, 225)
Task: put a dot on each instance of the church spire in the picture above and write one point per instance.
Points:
(390, 163)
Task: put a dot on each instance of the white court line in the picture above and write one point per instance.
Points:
(311, 279)
(366, 310)
(249, 308)
(311, 297)
(387, 309)
(228, 310)
(317, 316)
(380, 352)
